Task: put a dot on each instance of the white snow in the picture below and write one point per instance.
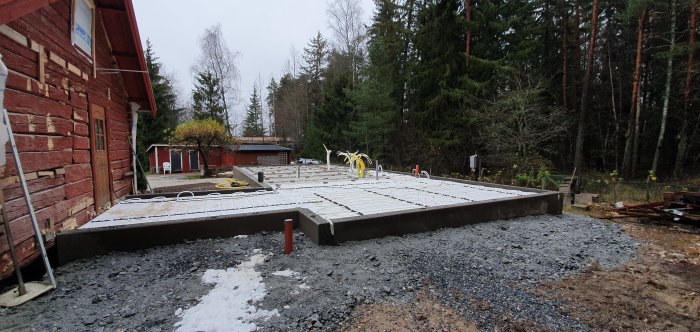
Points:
(286, 273)
(229, 306)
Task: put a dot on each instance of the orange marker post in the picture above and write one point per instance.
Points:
(288, 236)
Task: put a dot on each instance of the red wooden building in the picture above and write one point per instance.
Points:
(185, 160)
(77, 78)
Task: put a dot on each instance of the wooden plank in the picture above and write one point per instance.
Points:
(14, 35)
(17, 207)
(25, 103)
(41, 143)
(40, 125)
(39, 161)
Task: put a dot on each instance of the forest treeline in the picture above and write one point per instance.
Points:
(539, 84)
(599, 85)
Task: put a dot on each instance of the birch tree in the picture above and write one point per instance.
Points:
(667, 90)
(218, 59)
(345, 20)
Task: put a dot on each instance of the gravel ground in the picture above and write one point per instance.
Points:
(485, 272)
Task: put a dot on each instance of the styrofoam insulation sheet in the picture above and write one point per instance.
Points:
(333, 194)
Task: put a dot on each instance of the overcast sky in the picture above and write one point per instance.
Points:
(261, 31)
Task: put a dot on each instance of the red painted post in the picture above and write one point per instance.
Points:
(417, 170)
(288, 236)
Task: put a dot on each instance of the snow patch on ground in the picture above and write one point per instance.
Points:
(285, 273)
(229, 306)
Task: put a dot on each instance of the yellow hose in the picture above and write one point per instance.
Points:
(231, 183)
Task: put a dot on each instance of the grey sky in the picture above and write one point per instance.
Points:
(261, 31)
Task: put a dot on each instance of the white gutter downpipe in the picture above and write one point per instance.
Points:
(134, 123)
(3, 131)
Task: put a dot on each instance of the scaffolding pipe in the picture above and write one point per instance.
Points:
(3, 161)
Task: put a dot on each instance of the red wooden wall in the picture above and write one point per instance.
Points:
(49, 112)
(218, 158)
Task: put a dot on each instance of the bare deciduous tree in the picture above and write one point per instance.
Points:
(216, 57)
(518, 127)
(345, 20)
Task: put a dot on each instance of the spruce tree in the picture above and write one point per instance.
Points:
(378, 98)
(252, 126)
(207, 102)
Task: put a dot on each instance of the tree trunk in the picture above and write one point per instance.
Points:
(577, 54)
(683, 134)
(468, 14)
(616, 118)
(667, 91)
(565, 53)
(205, 161)
(633, 123)
(585, 103)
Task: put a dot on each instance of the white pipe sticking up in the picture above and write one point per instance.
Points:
(3, 130)
(134, 123)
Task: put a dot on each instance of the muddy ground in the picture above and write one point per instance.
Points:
(659, 290)
(563, 272)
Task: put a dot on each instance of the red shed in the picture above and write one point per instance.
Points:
(77, 78)
(183, 159)
(260, 154)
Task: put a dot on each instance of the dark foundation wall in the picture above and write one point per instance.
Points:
(89, 242)
(49, 92)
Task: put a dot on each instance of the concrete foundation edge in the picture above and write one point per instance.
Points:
(84, 243)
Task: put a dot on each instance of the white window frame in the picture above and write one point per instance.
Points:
(91, 5)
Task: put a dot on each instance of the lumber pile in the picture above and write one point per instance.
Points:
(677, 207)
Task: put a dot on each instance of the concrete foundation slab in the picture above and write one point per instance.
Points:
(329, 206)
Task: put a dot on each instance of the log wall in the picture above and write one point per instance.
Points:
(49, 90)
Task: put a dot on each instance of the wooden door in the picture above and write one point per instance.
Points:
(194, 161)
(176, 160)
(100, 161)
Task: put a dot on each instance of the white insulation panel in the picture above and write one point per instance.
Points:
(333, 195)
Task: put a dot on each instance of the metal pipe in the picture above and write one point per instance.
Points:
(288, 236)
(3, 139)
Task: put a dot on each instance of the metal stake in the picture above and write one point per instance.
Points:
(28, 199)
(13, 252)
(376, 169)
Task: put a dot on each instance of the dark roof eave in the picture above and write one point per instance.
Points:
(135, 36)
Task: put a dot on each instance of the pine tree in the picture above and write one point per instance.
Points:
(207, 102)
(270, 100)
(252, 126)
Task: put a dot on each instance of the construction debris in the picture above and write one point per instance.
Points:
(677, 207)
